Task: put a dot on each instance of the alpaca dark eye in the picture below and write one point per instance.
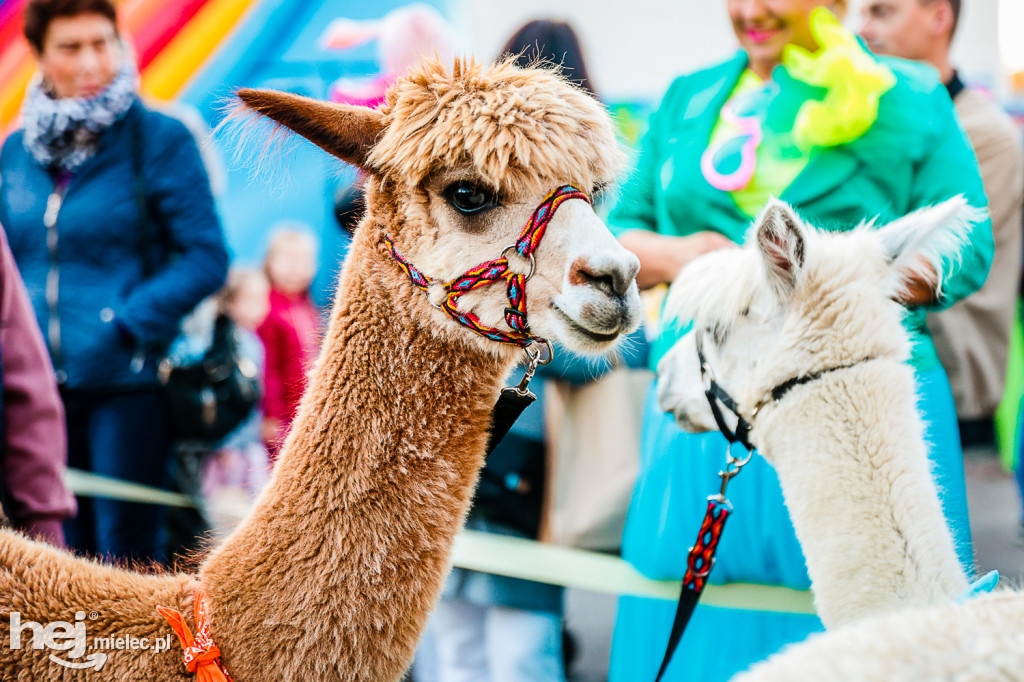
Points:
(469, 198)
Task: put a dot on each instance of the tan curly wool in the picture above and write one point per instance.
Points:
(523, 129)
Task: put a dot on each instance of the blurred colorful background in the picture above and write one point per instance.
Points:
(193, 54)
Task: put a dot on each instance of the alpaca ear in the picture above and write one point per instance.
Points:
(929, 236)
(344, 130)
(780, 240)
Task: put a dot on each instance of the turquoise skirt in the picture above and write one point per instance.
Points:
(677, 472)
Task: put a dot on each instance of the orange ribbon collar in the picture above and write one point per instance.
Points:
(202, 656)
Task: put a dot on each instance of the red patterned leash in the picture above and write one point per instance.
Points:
(494, 271)
(701, 557)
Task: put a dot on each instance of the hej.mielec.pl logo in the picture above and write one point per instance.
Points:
(72, 638)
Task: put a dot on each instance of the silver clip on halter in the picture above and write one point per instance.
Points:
(534, 359)
(514, 399)
(732, 468)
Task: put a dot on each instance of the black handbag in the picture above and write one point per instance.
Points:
(510, 491)
(209, 399)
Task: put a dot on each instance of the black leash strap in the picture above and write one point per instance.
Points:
(510, 405)
(684, 611)
(514, 399)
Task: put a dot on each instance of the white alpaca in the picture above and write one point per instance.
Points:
(847, 443)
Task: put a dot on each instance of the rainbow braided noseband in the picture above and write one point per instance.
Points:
(492, 271)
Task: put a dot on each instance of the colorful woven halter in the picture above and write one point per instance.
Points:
(494, 270)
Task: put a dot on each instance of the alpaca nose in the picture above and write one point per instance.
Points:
(612, 275)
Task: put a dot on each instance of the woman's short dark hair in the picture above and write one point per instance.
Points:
(551, 42)
(39, 14)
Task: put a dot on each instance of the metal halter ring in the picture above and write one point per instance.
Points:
(728, 473)
(539, 357)
(431, 284)
(533, 261)
(738, 463)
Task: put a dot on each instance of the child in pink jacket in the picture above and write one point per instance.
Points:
(291, 331)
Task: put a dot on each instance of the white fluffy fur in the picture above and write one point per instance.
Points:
(912, 240)
(980, 641)
(848, 446)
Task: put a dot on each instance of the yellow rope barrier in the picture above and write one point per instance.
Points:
(519, 558)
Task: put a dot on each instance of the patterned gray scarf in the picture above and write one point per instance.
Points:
(64, 133)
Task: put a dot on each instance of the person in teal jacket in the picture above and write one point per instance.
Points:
(804, 113)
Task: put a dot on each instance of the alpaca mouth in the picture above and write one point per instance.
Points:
(597, 337)
(681, 412)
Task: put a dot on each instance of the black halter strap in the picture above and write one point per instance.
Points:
(717, 395)
(782, 389)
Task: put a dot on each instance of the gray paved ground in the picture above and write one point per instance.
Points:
(995, 509)
(995, 516)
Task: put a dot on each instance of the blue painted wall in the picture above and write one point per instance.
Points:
(276, 46)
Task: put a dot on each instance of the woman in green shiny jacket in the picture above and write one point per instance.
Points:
(884, 142)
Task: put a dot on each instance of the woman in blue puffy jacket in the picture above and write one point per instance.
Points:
(111, 221)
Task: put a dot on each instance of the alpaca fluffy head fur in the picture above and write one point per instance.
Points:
(504, 137)
(795, 300)
(521, 130)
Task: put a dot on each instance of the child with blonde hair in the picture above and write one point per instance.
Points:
(291, 330)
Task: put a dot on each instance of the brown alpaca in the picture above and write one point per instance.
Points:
(333, 574)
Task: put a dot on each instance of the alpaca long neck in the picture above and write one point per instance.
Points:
(347, 549)
(851, 458)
